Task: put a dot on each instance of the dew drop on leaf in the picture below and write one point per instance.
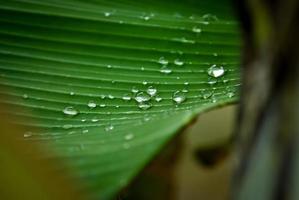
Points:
(129, 136)
(178, 62)
(92, 104)
(134, 90)
(142, 97)
(109, 127)
(178, 97)
(144, 105)
(25, 96)
(127, 97)
(27, 134)
(152, 91)
(165, 70)
(163, 61)
(67, 126)
(206, 94)
(158, 99)
(71, 111)
(196, 29)
(216, 71)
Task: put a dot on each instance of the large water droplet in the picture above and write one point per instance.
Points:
(151, 91)
(165, 70)
(92, 104)
(216, 71)
(178, 62)
(163, 61)
(178, 97)
(142, 97)
(71, 111)
(144, 105)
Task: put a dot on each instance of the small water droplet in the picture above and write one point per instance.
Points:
(158, 99)
(184, 40)
(165, 70)
(27, 134)
(134, 90)
(142, 68)
(206, 94)
(92, 104)
(25, 96)
(186, 83)
(72, 93)
(185, 90)
(67, 126)
(144, 105)
(215, 54)
(109, 66)
(102, 105)
(196, 29)
(163, 61)
(178, 97)
(216, 71)
(178, 62)
(117, 106)
(212, 81)
(109, 127)
(71, 111)
(85, 131)
(127, 97)
(151, 91)
(142, 97)
(209, 18)
(144, 82)
(107, 14)
(111, 96)
(230, 94)
(129, 136)
(94, 119)
(102, 96)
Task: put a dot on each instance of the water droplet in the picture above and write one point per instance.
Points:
(158, 99)
(163, 61)
(102, 105)
(127, 97)
(117, 106)
(230, 94)
(215, 54)
(184, 40)
(142, 97)
(83, 120)
(25, 96)
(72, 93)
(206, 94)
(129, 136)
(196, 29)
(111, 96)
(27, 134)
(109, 127)
(216, 71)
(165, 70)
(142, 68)
(209, 18)
(107, 14)
(102, 96)
(85, 131)
(92, 104)
(109, 66)
(212, 81)
(151, 91)
(178, 62)
(185, 90)
(134, 90)
(67, 126)
(186, 83)
(178, 97)
(144, 105)
(94, 119)
(144, 82)
(71, 111)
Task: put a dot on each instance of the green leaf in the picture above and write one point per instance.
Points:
(69, 66)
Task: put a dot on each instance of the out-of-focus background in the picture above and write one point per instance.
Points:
(195, 181)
